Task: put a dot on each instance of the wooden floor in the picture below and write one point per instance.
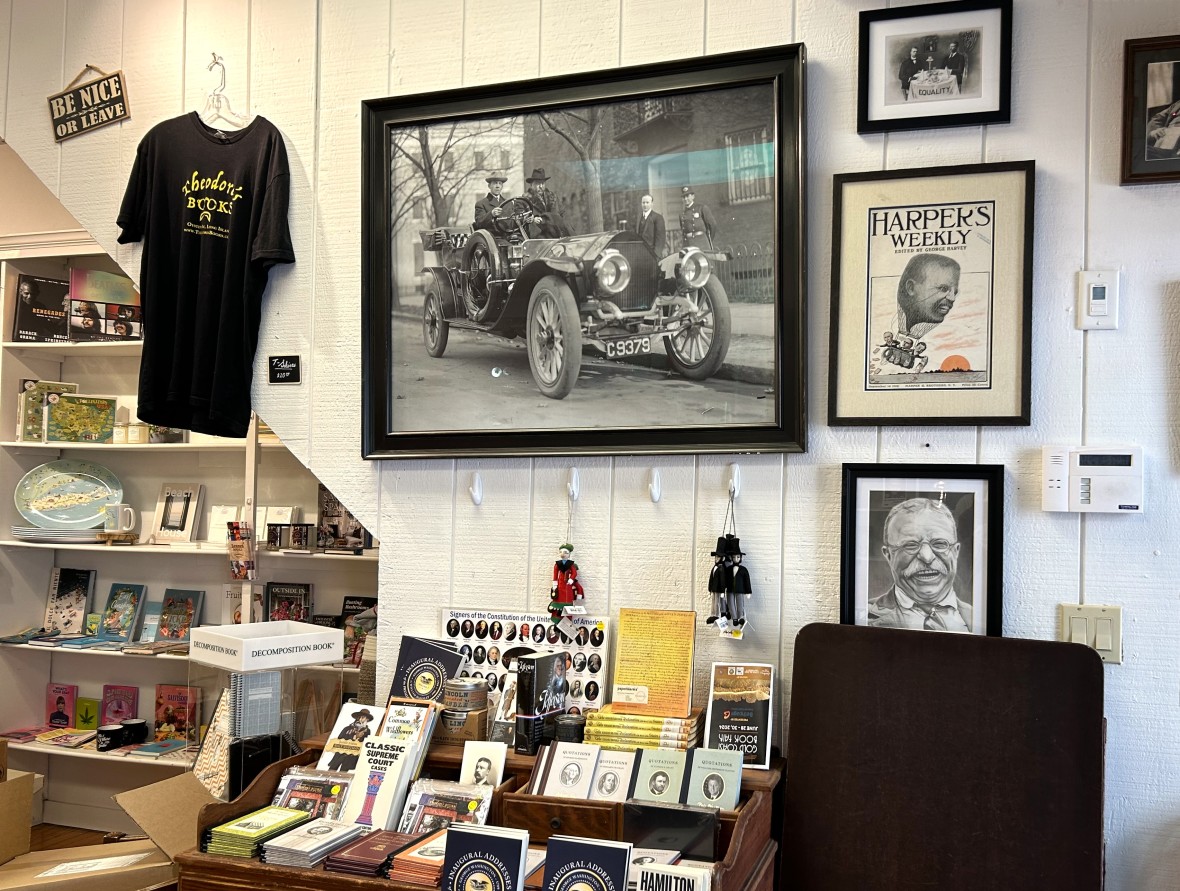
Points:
(47, 837)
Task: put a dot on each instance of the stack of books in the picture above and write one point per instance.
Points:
(308, 845)
(367, 855)
(245, 836)
(422, 862)
(620, 732)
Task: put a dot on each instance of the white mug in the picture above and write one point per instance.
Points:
(118, 518)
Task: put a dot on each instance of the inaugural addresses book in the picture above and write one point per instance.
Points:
(586, 864)
(487, 858)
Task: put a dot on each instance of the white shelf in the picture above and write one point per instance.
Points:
(91, 651)
(46, 749)
(59, 351)
(227, 446)
(351, 558)
(209, 549)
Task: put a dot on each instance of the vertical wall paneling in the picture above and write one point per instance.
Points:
(579, 36)
(418, 27)
(731, 26)
(35, 72)
(494, 52)
(654, 30)
(5, 52)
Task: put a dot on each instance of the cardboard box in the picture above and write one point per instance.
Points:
(127, 866)
(257, 645)
(16, 804)
(451, 731)
(168, 811)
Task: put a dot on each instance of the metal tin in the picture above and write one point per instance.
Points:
(465, 694)
(570, 728)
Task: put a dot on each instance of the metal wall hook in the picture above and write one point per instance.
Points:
(735, 480)
(475, 490)
(573, 485)
(653, 487)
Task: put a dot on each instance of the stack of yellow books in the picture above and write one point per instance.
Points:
(611, 729)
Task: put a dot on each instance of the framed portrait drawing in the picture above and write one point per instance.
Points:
(922, 547)
(609, 262)
(932, 296)
(1151, 110)
(935, 65)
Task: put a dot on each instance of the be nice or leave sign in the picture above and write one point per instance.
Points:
(81, 108)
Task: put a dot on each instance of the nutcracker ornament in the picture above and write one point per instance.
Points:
(566, 588)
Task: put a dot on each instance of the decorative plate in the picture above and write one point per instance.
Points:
(67, 494)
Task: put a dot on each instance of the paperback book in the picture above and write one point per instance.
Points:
(492, 858)
(319, 792)
(86, 711)
(103, 307)
(59, 704)
(353, 726)
(123, 612)
(433, 804)
(653, 662)
(119, 702)
(714, 778)
(423, 667)
(288, 601)
(31, 406)
(612, 776)
(178, 507)
(40, 311)
(741, 711)
(570, 770)
(180, 614)
(73, 417)
(66, 737)
(661, 877)
(382, 778)
(573, 862)
(354, 631)
(177, 712)
(659, 775)
(150, 624)
(69, 599)
(337, 528)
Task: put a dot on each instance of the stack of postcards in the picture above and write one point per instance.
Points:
(244, 836)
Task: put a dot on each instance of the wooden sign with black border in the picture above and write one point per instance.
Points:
(81, 108)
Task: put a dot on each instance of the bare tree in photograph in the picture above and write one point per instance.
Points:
(583, 128)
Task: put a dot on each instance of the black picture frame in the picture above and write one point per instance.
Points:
(904, 356)
(729, 126)
(925, 500)
(900, 91)
(1151, 111)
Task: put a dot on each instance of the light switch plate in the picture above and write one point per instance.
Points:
(1098, 299)
(1101, 627)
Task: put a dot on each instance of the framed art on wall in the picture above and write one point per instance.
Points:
(609, 262)
(935, 65)
(1151, 110)
(932, 296)
(921, 547)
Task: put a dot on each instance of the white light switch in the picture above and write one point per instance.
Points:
(1094, 625)
(1098, 299)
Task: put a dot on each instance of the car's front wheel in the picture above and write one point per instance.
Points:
(698, 348)
(554, 337)
(435, 328)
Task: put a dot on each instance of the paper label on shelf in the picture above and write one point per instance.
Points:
(77, 866)
(630, 693)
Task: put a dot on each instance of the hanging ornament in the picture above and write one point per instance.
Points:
(566, 590)
(729, 580)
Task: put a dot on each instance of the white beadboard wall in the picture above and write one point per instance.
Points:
(307, 64)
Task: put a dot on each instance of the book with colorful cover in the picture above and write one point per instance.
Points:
(119, 702)
(123, 612)
(59, 704)
(177, 712)
(67, 738)
(157, 748)
(40, 310)
(319, 792)
(31, 407)
(74, 417)
(180, 614)
(151, 623)
(354, 632)
(103, 307)
(86, 713)
(382, 778)
(573, 862)
(741, 710)
(69, 598)
(23, 734)
(288, 601)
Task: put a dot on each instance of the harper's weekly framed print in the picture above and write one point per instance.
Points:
(922, 547)
(609, 262)
(932, 296)
(935, 65)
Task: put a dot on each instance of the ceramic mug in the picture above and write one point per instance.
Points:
(118, 518)
(134, 731)
(110, 736)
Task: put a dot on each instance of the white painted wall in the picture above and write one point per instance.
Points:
(307, 65)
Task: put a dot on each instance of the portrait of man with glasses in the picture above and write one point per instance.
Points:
(921, 546)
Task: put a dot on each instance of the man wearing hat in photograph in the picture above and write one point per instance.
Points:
(697, 226)
(550, 223)
(357, 731)
(488, 208)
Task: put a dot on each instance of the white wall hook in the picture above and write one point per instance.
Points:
(573, 485)
(735, 480)
(476, 489)
(653, 487)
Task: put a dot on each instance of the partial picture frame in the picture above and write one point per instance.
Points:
(609, 262)
(935, 65)
(1151, 111)
(931, 320)
(921, 547)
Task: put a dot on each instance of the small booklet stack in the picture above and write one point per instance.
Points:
(367, 855)
(611, 729)
(308, 845)
(244, 836)
(422, 861)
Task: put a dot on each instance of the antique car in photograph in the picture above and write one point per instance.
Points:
(607, 289)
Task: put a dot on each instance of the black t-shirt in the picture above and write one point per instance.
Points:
(212, 212)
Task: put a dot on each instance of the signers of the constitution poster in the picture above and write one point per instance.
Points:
(929, 316)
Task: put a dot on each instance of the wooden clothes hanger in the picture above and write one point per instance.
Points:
(218, 111)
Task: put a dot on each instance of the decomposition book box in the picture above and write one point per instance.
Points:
(266, 645)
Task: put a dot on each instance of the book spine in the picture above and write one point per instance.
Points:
(526, 684)
(530, 733)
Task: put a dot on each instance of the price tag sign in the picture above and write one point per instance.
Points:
(284, 369)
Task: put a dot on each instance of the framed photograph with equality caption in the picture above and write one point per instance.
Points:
(607, 262)
(922, 547)
(935, 65)
(1151, 110)
(932, 296)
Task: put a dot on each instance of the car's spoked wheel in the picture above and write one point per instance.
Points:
(554, 337)
(435, 328)
(477, 292)
(698, 349)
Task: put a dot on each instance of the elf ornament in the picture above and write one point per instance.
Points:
(566, 588)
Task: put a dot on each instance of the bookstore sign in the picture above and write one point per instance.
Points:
(81, 108)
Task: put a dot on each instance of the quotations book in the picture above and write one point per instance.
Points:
(586, 864)
(570, 770)
(181, 612)
(69, 599)
(288, 601)
(659, 775)
(40, 310)
(119, 702)
(741, 710)
(31, 408)
(59, 704)
(74, 417)
(123, 611)
(612, 776)
(490, 858)
(714, 778)
(177, 712)
(653, 662)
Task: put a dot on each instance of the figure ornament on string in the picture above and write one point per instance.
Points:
(739, 584)
(719, 583)
(729, 580)
(566, 589)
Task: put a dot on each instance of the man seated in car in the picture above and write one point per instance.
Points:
(549, 222)
(488, 208)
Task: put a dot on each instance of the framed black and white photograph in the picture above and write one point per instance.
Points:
(922, 546)
(609, 262)
(932, 296)
(1151, 110)
(935, 65)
